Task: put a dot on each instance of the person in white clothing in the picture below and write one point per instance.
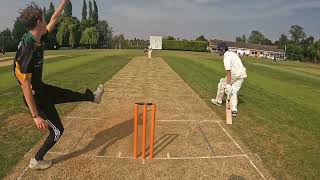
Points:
(149, 51)
(231, 84)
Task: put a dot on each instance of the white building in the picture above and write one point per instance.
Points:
(252, 50)
(156, 42)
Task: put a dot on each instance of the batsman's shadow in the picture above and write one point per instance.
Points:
(111, 135)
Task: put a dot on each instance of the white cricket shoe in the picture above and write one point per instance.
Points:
(98, 94)
(215, 102)
(44, 164)
(234, 113)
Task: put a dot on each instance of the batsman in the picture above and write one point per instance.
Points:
(231, 84)
(40, 97)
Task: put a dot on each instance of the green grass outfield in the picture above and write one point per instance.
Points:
(81, 69)
(278, 103)
(279, 108)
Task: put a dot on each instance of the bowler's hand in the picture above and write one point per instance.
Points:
(41, 123)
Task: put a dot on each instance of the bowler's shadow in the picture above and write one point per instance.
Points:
(110, 136)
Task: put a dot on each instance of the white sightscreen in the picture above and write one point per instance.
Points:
(156, 42)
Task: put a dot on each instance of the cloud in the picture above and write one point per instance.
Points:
(189, 18)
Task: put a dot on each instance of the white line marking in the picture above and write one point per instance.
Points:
(164, 158)
(28, 152)
(204, 157)
(59, 153)
(24, 171)
(68, 123)
(242, 151)
(8, 94)
(176, 120)
(82, 118)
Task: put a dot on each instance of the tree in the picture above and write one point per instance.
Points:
(105, 34)
(308, 46)
(267, 41)
(297, 33)
(6, 32)
(44, 11)
(242, 39)
(308, 41)
(137, 43)
(169, 38)
(84, 10)
(62, 35)
(257, 37)
(95, 16)
(119, 42)
(7, 41)
(86, 24)
(314, 52)
(295, 52)
(283, 41)
(68, 34)
(73, 34)
(201, 38)
(68, 9)
(18, 31)
(90, 37)
(51, 42)
(90, 10)
(49, 13)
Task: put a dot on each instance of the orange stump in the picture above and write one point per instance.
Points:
(144, 132)
(144, 129)
(135, 130)
(153, 119)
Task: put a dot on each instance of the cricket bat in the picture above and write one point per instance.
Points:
(228, 110)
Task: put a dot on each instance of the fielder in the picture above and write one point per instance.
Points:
(39, 97)
(3, 51)
(231, 84)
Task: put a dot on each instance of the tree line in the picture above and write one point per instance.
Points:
(89, 32)
(297, 47)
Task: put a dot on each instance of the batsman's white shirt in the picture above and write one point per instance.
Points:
(233, 63)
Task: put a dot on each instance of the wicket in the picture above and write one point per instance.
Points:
(144, 129)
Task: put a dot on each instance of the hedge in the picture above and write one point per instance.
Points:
(199, 46)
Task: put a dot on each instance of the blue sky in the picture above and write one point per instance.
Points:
(224, 19)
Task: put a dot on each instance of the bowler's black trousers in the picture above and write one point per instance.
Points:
(45, 98)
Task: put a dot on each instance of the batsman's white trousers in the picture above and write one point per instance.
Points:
(235, 87)
(149, 54)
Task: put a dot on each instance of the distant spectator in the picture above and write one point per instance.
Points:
(3, 51)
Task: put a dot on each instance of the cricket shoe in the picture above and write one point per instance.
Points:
(98, 94)
(43, 164)
(234, 113)
(215, 102)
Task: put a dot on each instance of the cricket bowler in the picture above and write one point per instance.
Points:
(231, 84)
(40, 97)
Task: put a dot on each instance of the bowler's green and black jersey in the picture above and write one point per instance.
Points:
(28, 62)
